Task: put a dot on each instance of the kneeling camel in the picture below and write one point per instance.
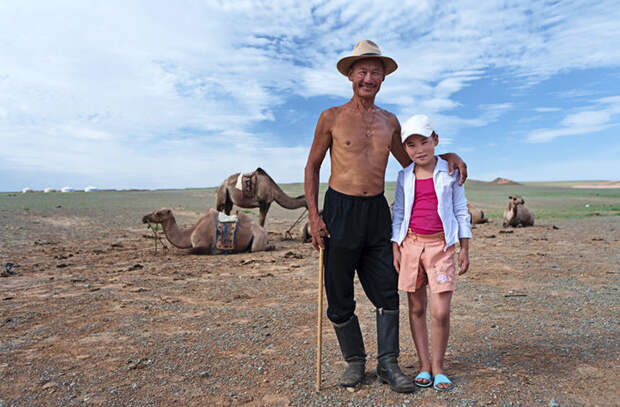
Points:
(200, 238)
(517, 214)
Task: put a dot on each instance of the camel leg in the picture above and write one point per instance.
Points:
(264, 208)
(259, 242)
(228, 205)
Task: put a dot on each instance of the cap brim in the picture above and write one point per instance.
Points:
(344, 65)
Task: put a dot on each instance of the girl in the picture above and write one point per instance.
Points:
(430, 215)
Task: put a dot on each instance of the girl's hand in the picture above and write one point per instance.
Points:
(463, 261)
(396, 252)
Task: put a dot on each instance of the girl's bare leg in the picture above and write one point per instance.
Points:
(417, 321)
(440, 330)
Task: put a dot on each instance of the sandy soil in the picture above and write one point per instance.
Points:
(94, 317)
(600, 185)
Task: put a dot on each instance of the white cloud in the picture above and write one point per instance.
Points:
(591, 120)
(547, 109)
(119, 79)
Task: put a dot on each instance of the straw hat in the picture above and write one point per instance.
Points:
(365, 49)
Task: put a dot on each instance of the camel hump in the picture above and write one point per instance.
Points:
(259, 170)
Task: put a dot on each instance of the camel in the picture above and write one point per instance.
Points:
(517, 214)
(200, 238)
(262, 194)
(476, 216)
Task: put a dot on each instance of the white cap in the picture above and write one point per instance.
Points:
(417, 124)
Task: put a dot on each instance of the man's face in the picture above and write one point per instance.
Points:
(367, 76)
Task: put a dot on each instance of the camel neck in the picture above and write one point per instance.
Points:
(175, 235)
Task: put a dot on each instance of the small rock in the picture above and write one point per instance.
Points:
(135, 267)
(554, 403)
(204, 373)
(293, 255)
(49, 385)
(134, 386)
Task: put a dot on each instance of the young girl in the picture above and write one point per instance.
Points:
(430, 215)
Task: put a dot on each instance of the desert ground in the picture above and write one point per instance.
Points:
(94, 316)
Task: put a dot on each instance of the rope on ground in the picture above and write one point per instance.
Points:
(157, 238)
(287, 234)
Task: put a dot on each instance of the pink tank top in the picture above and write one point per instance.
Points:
(425, 219)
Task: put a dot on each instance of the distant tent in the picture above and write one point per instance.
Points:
(26, 190)
(67, 189)
(48, 190)
(90, 189)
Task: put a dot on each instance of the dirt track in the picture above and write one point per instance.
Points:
(95, 317)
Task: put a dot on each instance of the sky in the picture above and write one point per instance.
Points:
(159, 94)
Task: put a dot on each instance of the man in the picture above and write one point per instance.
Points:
(355, 228)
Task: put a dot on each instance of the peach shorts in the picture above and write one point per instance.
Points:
(423, 261)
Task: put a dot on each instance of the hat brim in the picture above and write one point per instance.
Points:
(344, 65)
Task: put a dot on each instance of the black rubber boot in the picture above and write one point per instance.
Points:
(388, 350)
(352, 346)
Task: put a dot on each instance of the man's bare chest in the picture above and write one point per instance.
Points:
(356, 136)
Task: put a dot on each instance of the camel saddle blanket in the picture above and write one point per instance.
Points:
(246, 183)
(226, 232)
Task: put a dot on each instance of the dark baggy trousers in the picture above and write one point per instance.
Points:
(360, 229)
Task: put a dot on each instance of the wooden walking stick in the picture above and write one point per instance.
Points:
(319, 326)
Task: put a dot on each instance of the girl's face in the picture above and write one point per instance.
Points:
(421, 149)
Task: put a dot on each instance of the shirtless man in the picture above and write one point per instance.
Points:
(355, 228)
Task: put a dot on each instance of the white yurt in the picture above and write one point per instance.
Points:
(48, 190)
(26, 190)
(90, 188)
(67, 189)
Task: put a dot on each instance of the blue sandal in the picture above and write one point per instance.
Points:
(442, 378)
(423, 376)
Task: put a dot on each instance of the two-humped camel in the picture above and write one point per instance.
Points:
(266, 191)
(200, 238)
(517, 214)
(476, 215)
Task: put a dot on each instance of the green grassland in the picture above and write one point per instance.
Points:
(547, 199)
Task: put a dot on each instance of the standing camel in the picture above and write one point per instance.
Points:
(200, 238)
(262, 194)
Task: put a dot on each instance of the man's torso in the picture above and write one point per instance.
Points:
(360, 150)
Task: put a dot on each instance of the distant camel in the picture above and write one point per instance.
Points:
(517, 214)
(260, 194)
(476, 216)
(200, 238)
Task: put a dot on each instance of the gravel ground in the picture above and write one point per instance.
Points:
(94, 317)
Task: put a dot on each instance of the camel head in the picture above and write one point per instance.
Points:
(158, 216)
(515, 200)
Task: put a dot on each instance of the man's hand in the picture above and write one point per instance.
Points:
(455, 161)
(318, 228)
(396, 252)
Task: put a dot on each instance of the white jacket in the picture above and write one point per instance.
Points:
(451, 206)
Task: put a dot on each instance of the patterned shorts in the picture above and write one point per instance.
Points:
(426, 260)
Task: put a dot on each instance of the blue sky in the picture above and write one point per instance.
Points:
(182, 94)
